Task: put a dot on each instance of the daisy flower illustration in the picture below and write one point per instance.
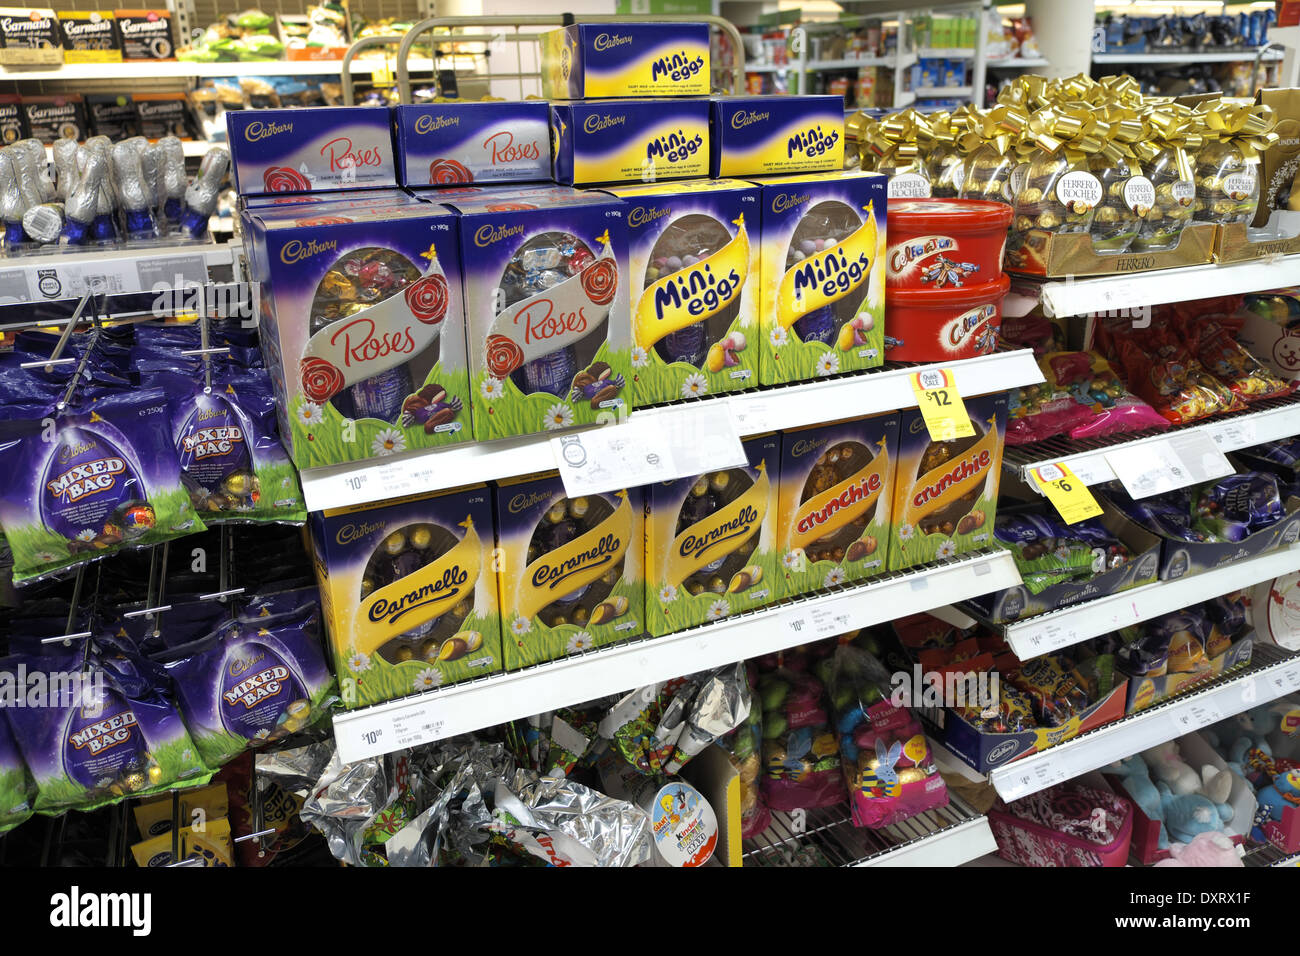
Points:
(428, 679)
(793, 560)
(558, 416)
(521, 625)
(388, 442)
(1062, 553)
(359, 662)
(667, 594)
(310, 414)
(833, 577)
(828, 364)
(947, 548)
(87, 534)
(694, 386)
(262, 734)
(492, 388)
(718, 610)
(906, 532)
(640, 358)
(778, 336)
(579, 642)
(46, 557)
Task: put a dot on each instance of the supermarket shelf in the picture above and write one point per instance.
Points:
(755, 412)
(460, 708)
(946, 53)
(180, 70)
(1271, 674)
(948, 836)
(1103, 294)
(1204, 56)
(1266, 421)
(1045, 633)
(769, 67)
(1269, 855)
(850, 63)
(935, 92)
(906, 98)
(1016, 63)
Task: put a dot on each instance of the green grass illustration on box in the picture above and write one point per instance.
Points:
(674, 608)
(368, 678)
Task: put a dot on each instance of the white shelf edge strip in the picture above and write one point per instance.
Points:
(1111, 742)
(755, 412)
(1131, 290)
(186, 70)
(1045, 633)
(461, 708)
(966, 841)
(1229, 434)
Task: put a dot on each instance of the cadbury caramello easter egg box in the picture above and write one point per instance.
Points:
(362, 329)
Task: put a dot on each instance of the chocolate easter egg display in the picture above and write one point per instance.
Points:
(686, 242)
(214, 453)
(947, 520)
(837, 463)
(88, 485)
(260, 693)
(822, 227)
(710, 493)
(565, 520)
(103, 747)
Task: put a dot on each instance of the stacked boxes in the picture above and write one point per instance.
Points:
(625, 59)
(449, 144)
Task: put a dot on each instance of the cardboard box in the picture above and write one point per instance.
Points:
(49, 118)
(311, 150)
(777, 135)
(710, 542)
(1143, 692)
(695, 326)
(90, 36)
(621, 141)
(835, 501)
(146, 34)
(570, 569)
(1049, 254)
(1180, 558)
(445, 144)
(408, 593)
(13, 119)
(30, 37)
(1235, 242)
(165, 114)
(586, 60)
(945, 493)
(822, 311)
(546, 296)
(356, 379)
(112, 115)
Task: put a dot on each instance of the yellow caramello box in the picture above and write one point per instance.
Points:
(585, 60)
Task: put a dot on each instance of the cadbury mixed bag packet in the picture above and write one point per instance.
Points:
(248, 684)
(90, 482)
(16, 787)
(97, 733)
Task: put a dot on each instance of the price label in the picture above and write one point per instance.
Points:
(941, 405)
(750, 415)
(1151, 468)
(1236, 433)
(1066, 492)
(1032, 779)
(1197, 716)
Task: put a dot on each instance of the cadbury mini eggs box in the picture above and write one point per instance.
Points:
(569, 569)
(823, 275)
(585, 60)
(453, 143)
(409, 592)
(777, 135)
(619, 141)
(711, 542)
(362, 329)
(695, 287)
(946, 492)
(546, 302)
(837, 489)
(310, 150)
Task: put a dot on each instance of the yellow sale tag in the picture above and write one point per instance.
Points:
(1064, 490)
(941, 405)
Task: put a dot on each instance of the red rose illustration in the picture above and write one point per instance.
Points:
(292, 200)
(427, 299)
(580, 259)
(282, 179)
(503, 355)
(510, 206)
(322, 221)
(599, 280)
(321, 380)
(448, 172)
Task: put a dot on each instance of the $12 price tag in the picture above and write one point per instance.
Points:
(1070, 495)
(941, 405)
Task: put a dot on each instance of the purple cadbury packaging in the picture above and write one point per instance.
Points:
(309, 150)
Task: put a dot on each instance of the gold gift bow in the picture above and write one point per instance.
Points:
(1074, 131)
(1176, 127)
(1245, 124)
(898, 142)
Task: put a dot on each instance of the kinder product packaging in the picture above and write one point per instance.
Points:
(362, 329)
(776, 135)
(308, 150)
(569, 569)
(409, 594)
(545, 278)
(823, 275)
(693, 259)
(836, 495)
(945, 493)
(619, 141)
(711, 542)
(449, 144)
(586, 60)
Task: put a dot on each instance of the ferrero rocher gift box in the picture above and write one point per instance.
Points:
(837, 490)
(693, 259)
(620, 141)
(447, 144)
(409, 593)
(625, 59)
(545, 279)
(710, 540)
(946, 493)
(362, 328)
(822, 305)
(309, 150)
(569, 569)
(777, 135)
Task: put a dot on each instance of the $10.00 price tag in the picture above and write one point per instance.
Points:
(941, 405)
(1070, 495)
